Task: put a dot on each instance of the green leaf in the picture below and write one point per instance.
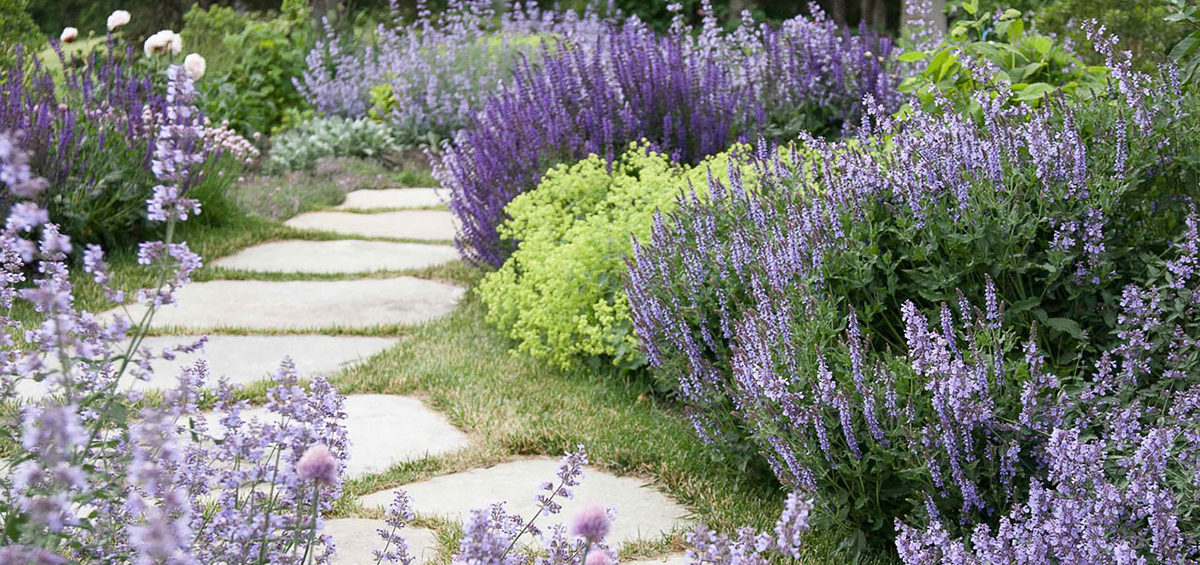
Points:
(911, 56)
(971, 7)
(1016, 29)
(1186, 47)
(1065, 325)
(1041, 44)
(1034, 91)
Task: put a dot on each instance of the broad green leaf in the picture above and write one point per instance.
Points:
(1041, 44)
(1034, 91)
(911, 56)
(1066, 325)
(1186, 47)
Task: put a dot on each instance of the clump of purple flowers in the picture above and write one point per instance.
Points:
(425, 77)
(908, 319)
(99, 137)
(689, 94)
(92, 480)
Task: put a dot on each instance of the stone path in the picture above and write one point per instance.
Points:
(339, 256)
(642, 511)
(356, 537)
(426, 225)
(304, 305)
(393, 198)
(383, 430)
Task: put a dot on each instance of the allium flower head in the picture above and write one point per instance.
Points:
(591, 523)
(318, 464)
(117, 19)
(68, 35)
(195, 65)
(598, 557)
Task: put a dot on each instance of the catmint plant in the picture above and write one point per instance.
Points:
(94, 472)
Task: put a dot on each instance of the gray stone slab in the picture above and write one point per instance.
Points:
(383, 430)
(392, 198)
(354, 538)
(431, 225)
(670, 559)
(643, 512)
(341, 256)
(304, 305)
(246, 359)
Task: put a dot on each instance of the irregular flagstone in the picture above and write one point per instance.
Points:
(391, 198)
(302, 305)
(247, 359)
(432, 225)
(383, 430)
(642, 511)
(354, 538)
(341, 256)
(671, 559)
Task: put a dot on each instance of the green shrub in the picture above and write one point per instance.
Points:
(302, 146)
(256, 93)
(561, 293)
(17, 28)
(204, 32)
(1035, 65)
(1140, 24)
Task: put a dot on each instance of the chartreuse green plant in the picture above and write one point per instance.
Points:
(987, 49)
(561, 293)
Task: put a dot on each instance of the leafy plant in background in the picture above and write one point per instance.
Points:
(256, 94)
(16, 29)
(561, 293)
(690, 94)
(1140, 24)
(773, 310)
(997, 48)
(92, 132)
(1186, 53)
(302, 146)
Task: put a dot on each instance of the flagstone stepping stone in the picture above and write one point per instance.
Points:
(383, 430)
(304, 305)
(341, 256)
(247, 359)
(392, 198)
(671, 559)
(642, 511)
(430, 225)
(354, 539)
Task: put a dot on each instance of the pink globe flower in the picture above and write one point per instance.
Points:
(598, 557)
(591, 523)
(318, 464)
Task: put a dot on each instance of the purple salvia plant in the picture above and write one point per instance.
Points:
(688, 94)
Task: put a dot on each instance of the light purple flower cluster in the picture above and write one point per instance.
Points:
(491, 534)
(749, 547)
(436, 69)
(92, 481)
(690, 94)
